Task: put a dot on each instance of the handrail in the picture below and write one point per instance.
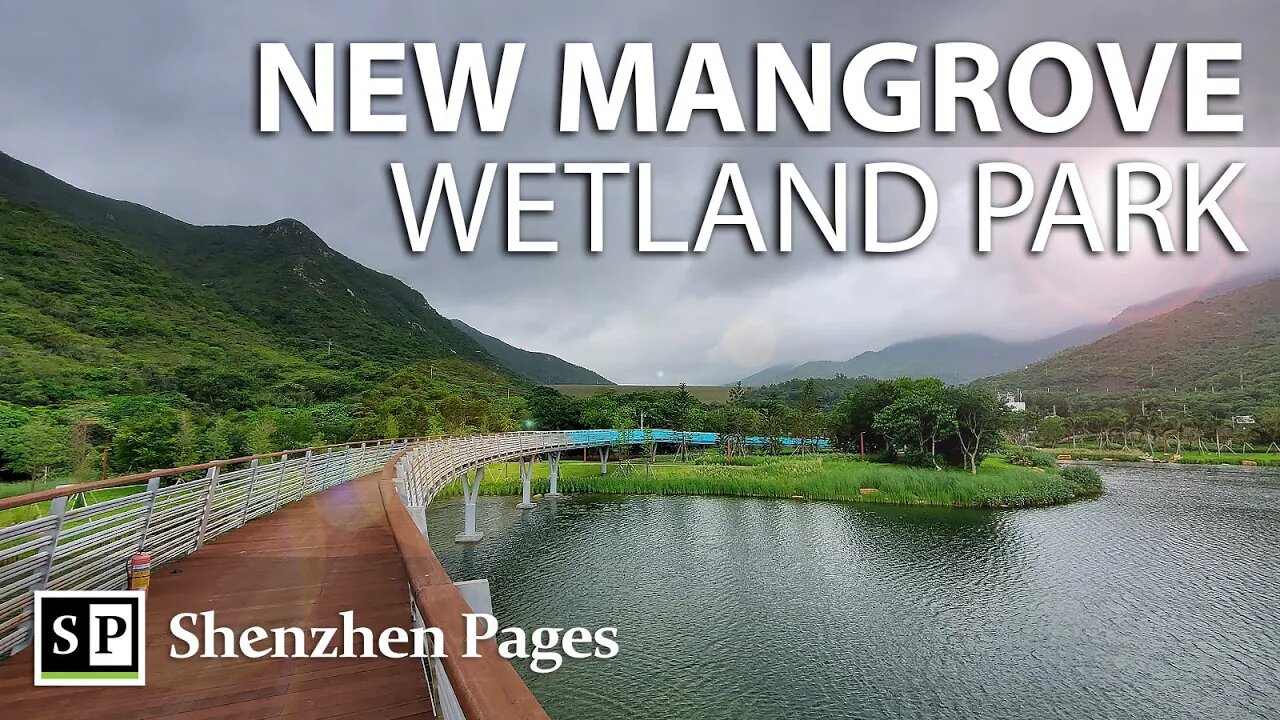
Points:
(84, 548)
(486, 687)
(40, 496)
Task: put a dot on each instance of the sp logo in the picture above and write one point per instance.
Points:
(90, 638)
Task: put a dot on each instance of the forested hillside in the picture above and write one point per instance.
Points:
(134, 341)
(1224, 350)
(102, 350)
(282, 276)
(536, 366)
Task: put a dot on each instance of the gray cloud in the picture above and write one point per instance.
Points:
(158, 105)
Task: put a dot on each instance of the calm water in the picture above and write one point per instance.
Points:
(1160, 600)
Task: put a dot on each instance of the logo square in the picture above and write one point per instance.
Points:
(90, 638)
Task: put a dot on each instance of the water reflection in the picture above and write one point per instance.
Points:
(1160, 600)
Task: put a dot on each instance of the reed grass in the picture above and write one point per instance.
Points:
(817, 477)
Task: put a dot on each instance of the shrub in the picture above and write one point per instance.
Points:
(1083, 480)
(1030, 457)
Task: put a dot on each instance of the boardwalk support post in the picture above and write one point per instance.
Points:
(470, 489)
(405, 488)
(526, 480)
(553, 466)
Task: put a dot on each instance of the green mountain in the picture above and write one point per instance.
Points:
(132, 340)
(539, 367)
(281, 276)
(1227, 345)
(82, 319)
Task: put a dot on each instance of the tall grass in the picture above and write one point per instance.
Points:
(1188, 457)
(815, 477)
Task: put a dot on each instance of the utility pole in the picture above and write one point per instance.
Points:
(862, 444)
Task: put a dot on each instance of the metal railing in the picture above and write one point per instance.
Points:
(486, 687)
(433, 464)
(167, 513)
(171, 513)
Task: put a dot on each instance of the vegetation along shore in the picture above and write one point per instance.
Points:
(814, 477)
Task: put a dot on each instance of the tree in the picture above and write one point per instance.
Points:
(855, 416)
(980, 417)
(806, 425)
(1267, 429)
(36, 446)
(147, 441)
(1050, 430)
(920, 418)
(773, 424)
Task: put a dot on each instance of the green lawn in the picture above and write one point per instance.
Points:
(31, 512)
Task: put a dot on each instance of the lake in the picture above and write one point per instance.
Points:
(1159, 600)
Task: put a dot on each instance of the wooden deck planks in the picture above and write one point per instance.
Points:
(299, 566)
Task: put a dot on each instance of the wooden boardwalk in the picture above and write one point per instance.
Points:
(299, 566)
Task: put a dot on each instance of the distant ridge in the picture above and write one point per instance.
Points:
(539, 367)
(966, 357)
(1229, 343)
(953, 358)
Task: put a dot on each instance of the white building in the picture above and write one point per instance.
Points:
(1012, 401)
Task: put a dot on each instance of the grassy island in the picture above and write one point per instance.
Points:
(817, 477)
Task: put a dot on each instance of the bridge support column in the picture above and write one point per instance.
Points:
(526, 480)
(604, 460)
(553, 465)
(470, 490)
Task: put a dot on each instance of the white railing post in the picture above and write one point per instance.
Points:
(284, 464)
(57, 509)
(248, 496)
(153, 487)
(212, 478)
(304, 483)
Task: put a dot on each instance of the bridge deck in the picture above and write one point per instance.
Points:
(300, 566)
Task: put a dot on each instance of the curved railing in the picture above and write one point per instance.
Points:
(168, 513)
(171, 513)
(485, 687)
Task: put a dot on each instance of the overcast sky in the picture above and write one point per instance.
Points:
(159, 106)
